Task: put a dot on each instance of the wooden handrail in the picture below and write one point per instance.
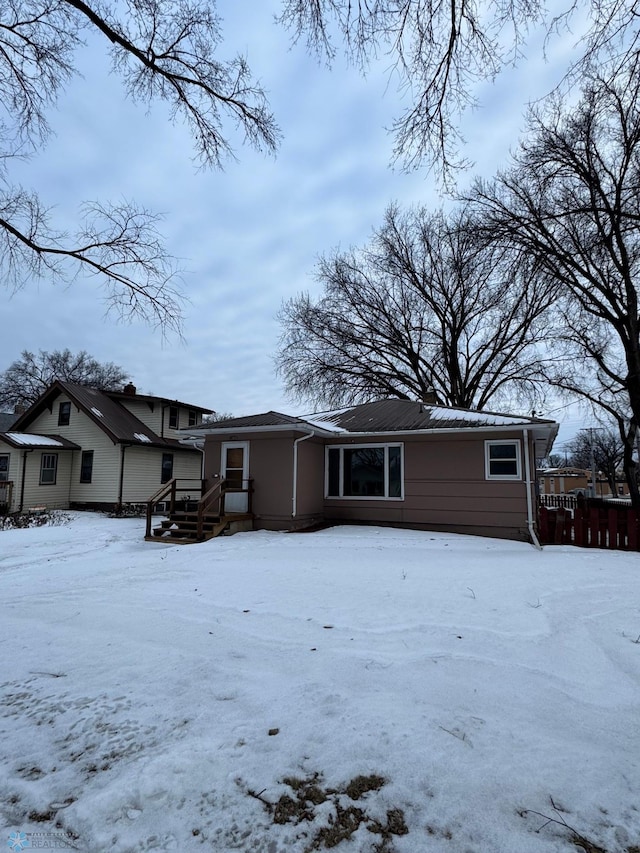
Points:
(163, 491)
(6, 486)
(216, 492)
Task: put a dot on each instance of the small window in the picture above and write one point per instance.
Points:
(368, 471)
(64, 414)
(167, 467)
(173, 417)
(4, 467)
(48, 469)
(193, 417)
(86, 466)
(502, 460)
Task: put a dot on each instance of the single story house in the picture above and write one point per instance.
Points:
(83, 448)
(393, 462)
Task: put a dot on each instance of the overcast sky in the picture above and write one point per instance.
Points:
(248, 237)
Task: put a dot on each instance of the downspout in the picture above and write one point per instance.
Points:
(527, 468)
(294, 499)
(123, 447)
(197, 444)
(22, 479)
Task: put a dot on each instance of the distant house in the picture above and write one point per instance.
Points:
(563, 481)
(79, 447)
(395, 462)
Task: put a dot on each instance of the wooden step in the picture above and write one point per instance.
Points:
(181, 528)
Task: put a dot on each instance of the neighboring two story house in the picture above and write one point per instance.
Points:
(79, 447)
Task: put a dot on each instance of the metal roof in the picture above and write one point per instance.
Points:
(117, 421)
(409, 416)
(378, 417)
(31, 441)
(261, 420)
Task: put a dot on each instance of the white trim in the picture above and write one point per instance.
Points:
(517, 477)
(238, 501)
(542, 430)
(385, 445)
(294, 498)
(529, 488)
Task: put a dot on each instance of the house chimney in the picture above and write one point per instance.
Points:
(19, 409)
(430, 398)
(129, 389)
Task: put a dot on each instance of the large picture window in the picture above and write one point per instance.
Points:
(48, 469)
(367, 471)
(502, 460)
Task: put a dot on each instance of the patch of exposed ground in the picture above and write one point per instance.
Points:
(343, 820)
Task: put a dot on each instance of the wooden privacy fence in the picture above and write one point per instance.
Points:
(590, 526)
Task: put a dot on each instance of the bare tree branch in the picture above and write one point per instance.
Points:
(571, 203)
(27, 378)
(425, 308)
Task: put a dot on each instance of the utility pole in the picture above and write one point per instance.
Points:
(593, 467)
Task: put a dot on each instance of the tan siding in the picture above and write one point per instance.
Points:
(310, 478)
(446, 489)
(158, 419)
(445, 486)
(143, 472)
(271, 469)
(52, 496)
(142, 411)
(83, 430)
(105, 478)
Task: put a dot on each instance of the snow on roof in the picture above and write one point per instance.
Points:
(141, 436)
(97, 412)
(29, 438)
(325, 425)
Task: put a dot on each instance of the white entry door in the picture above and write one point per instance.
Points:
(235, 469)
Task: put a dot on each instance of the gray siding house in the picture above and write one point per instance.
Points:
(79, 447)
(390, 462)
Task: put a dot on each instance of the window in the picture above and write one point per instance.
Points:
(502, 460)
(4, 467)
(48, 469)
(368, 471)
(64, 414)
(173, 417)
(86, 466)
(193, 417)
(167, 467)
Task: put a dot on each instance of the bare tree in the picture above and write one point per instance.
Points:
(163, 49)
(571, 202)
(603, 447)
(440, 52)
(425, 308)
(28, 377)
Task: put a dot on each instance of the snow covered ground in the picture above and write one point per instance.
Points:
(359, 689)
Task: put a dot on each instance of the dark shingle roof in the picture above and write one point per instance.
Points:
(118, 422)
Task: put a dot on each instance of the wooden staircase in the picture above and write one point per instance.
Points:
(182, 527)
(200, 521)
